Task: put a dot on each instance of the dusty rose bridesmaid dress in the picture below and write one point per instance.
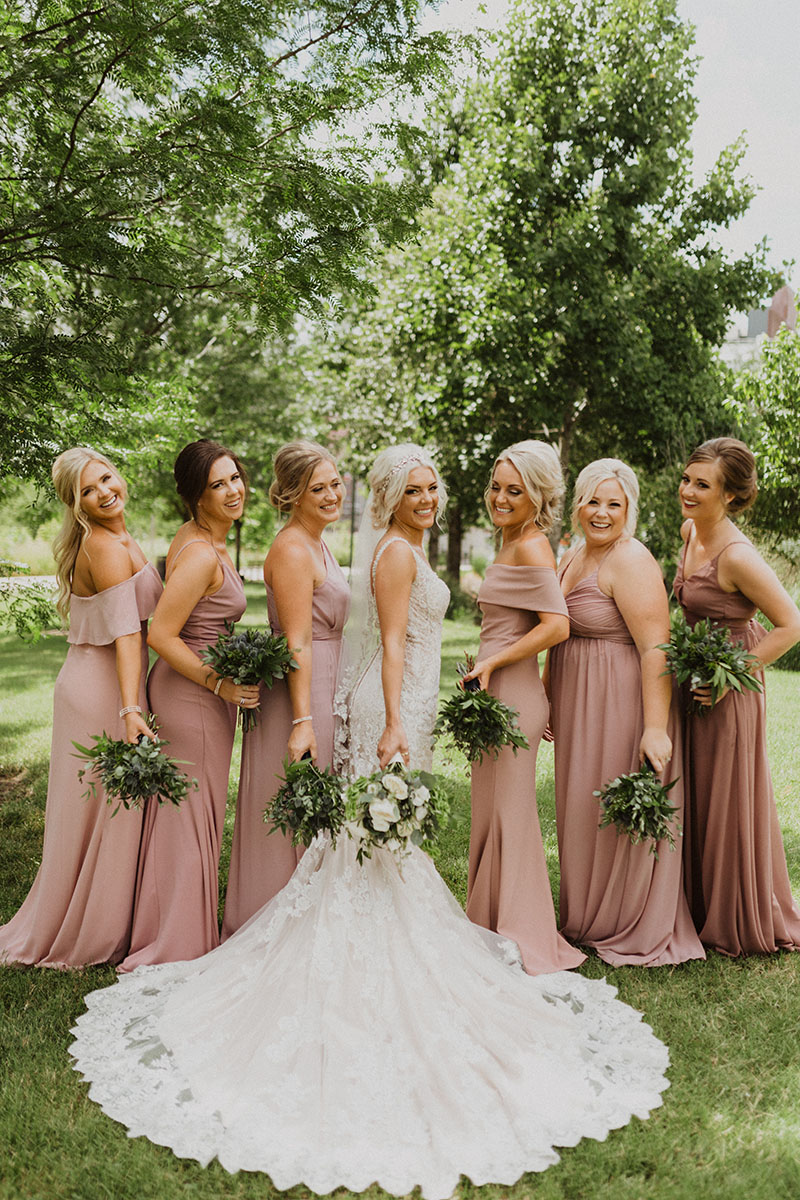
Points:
(79, 908)
(177, 889)
(263, 862)
(736, 877)
(509, 888)
(614, 896)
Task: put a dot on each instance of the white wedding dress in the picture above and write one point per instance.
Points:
(360, 1029)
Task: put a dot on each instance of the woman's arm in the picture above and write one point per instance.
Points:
(110, 564)
(291, 574)
(394, 577)
(743, 568)
(191, 578)
(632, 577)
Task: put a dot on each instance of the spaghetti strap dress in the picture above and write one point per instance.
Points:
(614, 896)
(262, 861)
(509, 886)
(736, 877)
(177, 890)
(79, 908)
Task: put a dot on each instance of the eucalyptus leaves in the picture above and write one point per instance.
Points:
(309, 801)
(252, 656)
(131, 772)
(478, 722)
(705, 655)
(639, 806)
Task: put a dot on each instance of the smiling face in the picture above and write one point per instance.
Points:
(701, 492)
(102, 493)
(602, 517)
(510, 506)
(419, 501)
(320, 504)
(223, 496)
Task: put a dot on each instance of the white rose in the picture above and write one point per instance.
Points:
(395, 786)
(405, 829)
(421, 812)
(393, 845)
(383, 812)
(421, 794)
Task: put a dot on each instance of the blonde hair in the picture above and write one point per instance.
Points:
(293, 467)
(66, 472)
(388, 480)
(598, 472)
(540, 470)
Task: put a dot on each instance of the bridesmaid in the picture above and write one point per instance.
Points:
(79, 908)
(611, 708)
(523, 614)
(175, 915)
(736, 876)
(307, 599)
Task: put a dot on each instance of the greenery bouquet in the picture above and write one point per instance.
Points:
(706, 655)
(639, 806)
(395, 808)
(478, 722)
(251, 657)
(309, 801)
(130, 772)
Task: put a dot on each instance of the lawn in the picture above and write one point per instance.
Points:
(729, 1128)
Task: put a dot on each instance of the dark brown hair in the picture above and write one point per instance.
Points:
(737, 466)
(193, 466)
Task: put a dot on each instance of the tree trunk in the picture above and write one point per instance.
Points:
(433, 546)
(454, 534)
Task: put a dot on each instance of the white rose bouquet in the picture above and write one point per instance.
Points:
(394, 809)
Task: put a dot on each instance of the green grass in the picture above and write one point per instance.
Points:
(729, 1128)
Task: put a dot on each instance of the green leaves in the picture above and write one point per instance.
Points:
(479, 723)
(252, 656)
(131, 773)
(705, 655)
(639, 806)
(310, 800)
(395, 808)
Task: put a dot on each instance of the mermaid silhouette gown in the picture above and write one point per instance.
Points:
(79, 908)
(617, 897)
(736, 877)
(262, 861)
(360, 1029)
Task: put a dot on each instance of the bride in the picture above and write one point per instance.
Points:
(359, 1028)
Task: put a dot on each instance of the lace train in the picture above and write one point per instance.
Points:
(359, 1029)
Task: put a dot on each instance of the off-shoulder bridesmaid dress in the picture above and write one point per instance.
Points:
(79, 908)
(177, 889)
(262, 862)
(509, 887)
(617, 897)
(736, 877)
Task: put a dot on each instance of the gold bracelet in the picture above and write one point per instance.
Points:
(219, 684)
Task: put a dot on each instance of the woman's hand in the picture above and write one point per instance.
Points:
(482, 672)
(136, 727)
(302, 741)
(243, 695)
(657, 747)
(392, 741)
(703, 695)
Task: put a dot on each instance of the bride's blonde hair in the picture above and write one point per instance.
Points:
(389, 476)
(67, 471)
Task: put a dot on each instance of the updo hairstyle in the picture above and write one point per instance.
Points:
(292, 468)
(737, 467)
(598, 472)
(66, 472)
(193, 466)
(388, 480)
(540, 468)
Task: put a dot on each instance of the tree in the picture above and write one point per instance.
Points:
(565, 282)
(765, 406)
(159, 158)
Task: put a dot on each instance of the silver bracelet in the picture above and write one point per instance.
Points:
(123, 712)
(299, 720)
(218, 684)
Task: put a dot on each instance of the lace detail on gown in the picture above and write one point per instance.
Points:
(359, 1030)
(427, 605)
